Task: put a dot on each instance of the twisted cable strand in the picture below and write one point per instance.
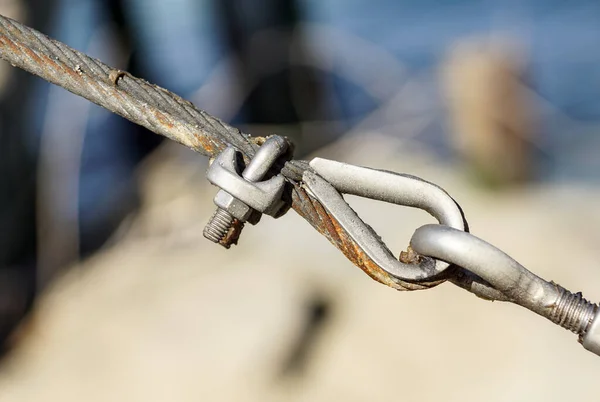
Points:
(171, 116)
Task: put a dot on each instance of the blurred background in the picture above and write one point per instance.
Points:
(108, 289)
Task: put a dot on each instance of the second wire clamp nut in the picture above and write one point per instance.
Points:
(243, 196)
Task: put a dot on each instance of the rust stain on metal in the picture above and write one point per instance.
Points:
(258, 140)
(47, 62)
(33, 55)
(116, 75)
(202, 141)
(317, 216)
(12, 45)
(233, 235)
(162, 118)
(409, 256)
(312, 210)
(205, 143)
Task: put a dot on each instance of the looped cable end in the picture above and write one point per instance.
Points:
(329, 179)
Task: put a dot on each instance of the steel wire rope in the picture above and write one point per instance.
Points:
(171, 116)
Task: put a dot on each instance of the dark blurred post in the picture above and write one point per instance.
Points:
(266, 37)
(17, 182)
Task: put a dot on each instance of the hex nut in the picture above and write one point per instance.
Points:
(232, 205)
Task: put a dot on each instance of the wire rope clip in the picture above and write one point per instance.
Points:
(244, 196)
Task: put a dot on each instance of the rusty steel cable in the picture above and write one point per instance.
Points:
(481, 268)
(171, 116)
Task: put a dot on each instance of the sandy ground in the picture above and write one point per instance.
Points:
(163, 315)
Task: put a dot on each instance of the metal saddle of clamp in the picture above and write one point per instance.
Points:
(244, 197)
(328, 179)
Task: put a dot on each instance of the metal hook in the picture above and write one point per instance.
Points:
(330, 178)
(522, 287)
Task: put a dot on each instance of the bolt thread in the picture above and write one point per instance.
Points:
(573, 312)
(217, 228)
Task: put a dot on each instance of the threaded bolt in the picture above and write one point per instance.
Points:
(218, 229)
(573, 312)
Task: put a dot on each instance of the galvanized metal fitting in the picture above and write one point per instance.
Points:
(243, 196)
(520, 286)
(329, 179)
(591, 338)
(573, 312)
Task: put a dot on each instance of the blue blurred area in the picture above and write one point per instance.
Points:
(561, 39)
(112, 147)
(178, 43)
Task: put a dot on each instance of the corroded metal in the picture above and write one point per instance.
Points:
(314, 212)
(135, 99)
(171, 116)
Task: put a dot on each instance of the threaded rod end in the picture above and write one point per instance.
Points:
(573, 312)
(218, 226)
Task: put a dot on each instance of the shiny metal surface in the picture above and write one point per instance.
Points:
(333, 178)
(243, 198)
(591, 339)
(519, 285)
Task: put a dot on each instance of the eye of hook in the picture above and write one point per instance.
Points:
(329, 179)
